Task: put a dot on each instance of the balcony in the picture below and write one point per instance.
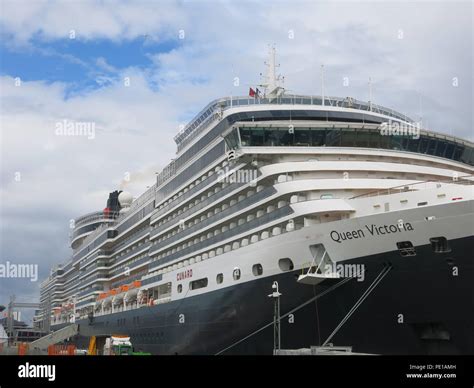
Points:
(90, 290)
(93, 278)
(246, 227)
(234, 209)
(141, 248)
(209, 200)
(93, 267)
(92, 218)
(86, 224)
(131, 267)
(132, 238)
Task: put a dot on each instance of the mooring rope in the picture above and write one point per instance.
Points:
(364, 296)
(333, 287)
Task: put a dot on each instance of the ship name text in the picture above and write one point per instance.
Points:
(370, 230)
(184, 275)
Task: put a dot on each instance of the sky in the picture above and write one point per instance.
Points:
(140, 70)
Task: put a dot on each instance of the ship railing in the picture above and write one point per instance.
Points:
(133, 265)
(141, 200)
(91, 237)
(460, 180)
(214, 110)
(133, 305)
(137, 203)
(132, 238)
(117, 216)
(217, 106)
(94, 216)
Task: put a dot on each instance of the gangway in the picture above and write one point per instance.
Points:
(55, 337)
(318, 273)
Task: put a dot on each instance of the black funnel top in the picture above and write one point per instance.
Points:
(113, 204)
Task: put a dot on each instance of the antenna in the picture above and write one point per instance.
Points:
(322, 85)
(420, 108)
(370, 94)
(272, 80)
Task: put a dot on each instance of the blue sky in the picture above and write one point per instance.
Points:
(84, 65)
(177, 57)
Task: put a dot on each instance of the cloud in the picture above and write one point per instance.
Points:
(102, 64)
(62, 177)
(88, 20)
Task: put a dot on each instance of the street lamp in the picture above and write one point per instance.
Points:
(276, 317)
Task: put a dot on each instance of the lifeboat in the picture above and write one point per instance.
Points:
(107, 301)
(131, 295)
(127, 292)
(117, 299)
(141, 296)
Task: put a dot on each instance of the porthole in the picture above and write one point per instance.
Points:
(220, 278)
(236, 274)
(180, 288)
(285, 264)
(257, 269)
(197, 284)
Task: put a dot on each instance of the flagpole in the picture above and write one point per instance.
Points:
(370, 94)
(322, 84)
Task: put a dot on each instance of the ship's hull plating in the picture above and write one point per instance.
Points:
(424, 305)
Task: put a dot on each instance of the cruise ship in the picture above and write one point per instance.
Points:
(285, 221)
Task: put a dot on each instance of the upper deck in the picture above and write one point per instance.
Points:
(207, 115)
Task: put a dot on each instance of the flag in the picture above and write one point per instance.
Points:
(252, 93)
(258, 93)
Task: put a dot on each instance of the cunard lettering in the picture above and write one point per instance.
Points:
(184, 274)
(372, 230)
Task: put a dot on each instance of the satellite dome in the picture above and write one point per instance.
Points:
(125, 199)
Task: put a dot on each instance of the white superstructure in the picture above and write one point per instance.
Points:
(262, 186)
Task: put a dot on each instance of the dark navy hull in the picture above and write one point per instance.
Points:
(437, 309)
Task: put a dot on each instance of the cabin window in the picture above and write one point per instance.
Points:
(232, 139)
(164, 290)
(257, 269)
(220, 278)
(326, 196)
(180, 288)
(285, 264)
(236, 274)
(440, 244)
(197, 284)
